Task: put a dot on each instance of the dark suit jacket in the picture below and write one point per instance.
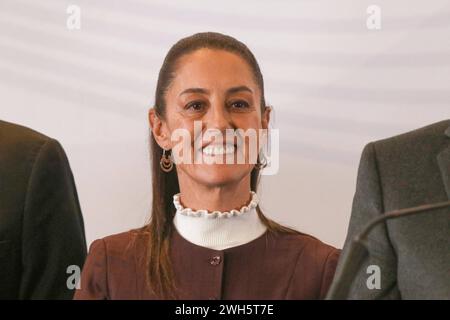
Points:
(273, 266)
(41, 227)
(413, 253)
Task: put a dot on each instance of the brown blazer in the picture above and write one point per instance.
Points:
(273, 266)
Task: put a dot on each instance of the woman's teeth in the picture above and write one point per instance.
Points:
(214, 150)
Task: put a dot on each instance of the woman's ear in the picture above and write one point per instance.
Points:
(159, 130)
(266, 117)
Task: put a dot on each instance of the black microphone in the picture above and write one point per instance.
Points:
(358, 252)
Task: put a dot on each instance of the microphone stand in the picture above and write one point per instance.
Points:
(358, 251)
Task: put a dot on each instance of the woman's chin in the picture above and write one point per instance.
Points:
(220, 174)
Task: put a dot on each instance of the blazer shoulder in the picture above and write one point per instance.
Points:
(410, 146)
(21, 143)
(19, 133)
(122, 245)
(307, 245)
(433, 133)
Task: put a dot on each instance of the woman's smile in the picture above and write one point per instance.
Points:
(218, 149)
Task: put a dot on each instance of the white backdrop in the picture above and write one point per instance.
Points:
(334, 85)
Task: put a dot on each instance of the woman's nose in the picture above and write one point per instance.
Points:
(219, 118)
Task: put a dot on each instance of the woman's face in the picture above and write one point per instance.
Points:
(216, 89)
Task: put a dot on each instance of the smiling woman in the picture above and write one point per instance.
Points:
(207, 237)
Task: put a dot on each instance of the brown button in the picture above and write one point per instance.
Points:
(215, 260)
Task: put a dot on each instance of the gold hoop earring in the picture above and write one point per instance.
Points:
(166, 162)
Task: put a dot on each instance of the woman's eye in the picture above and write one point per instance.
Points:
(195, 106)
(240, 104)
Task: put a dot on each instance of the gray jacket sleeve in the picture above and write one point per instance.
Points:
(368, 204)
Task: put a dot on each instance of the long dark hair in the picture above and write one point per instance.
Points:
(160, 277)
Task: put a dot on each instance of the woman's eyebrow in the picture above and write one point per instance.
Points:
(239, 88)
(204, 91)
(194, 90)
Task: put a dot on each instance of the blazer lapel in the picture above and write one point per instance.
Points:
(444, 163)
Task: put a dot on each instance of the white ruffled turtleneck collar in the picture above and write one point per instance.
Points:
(219, 230)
